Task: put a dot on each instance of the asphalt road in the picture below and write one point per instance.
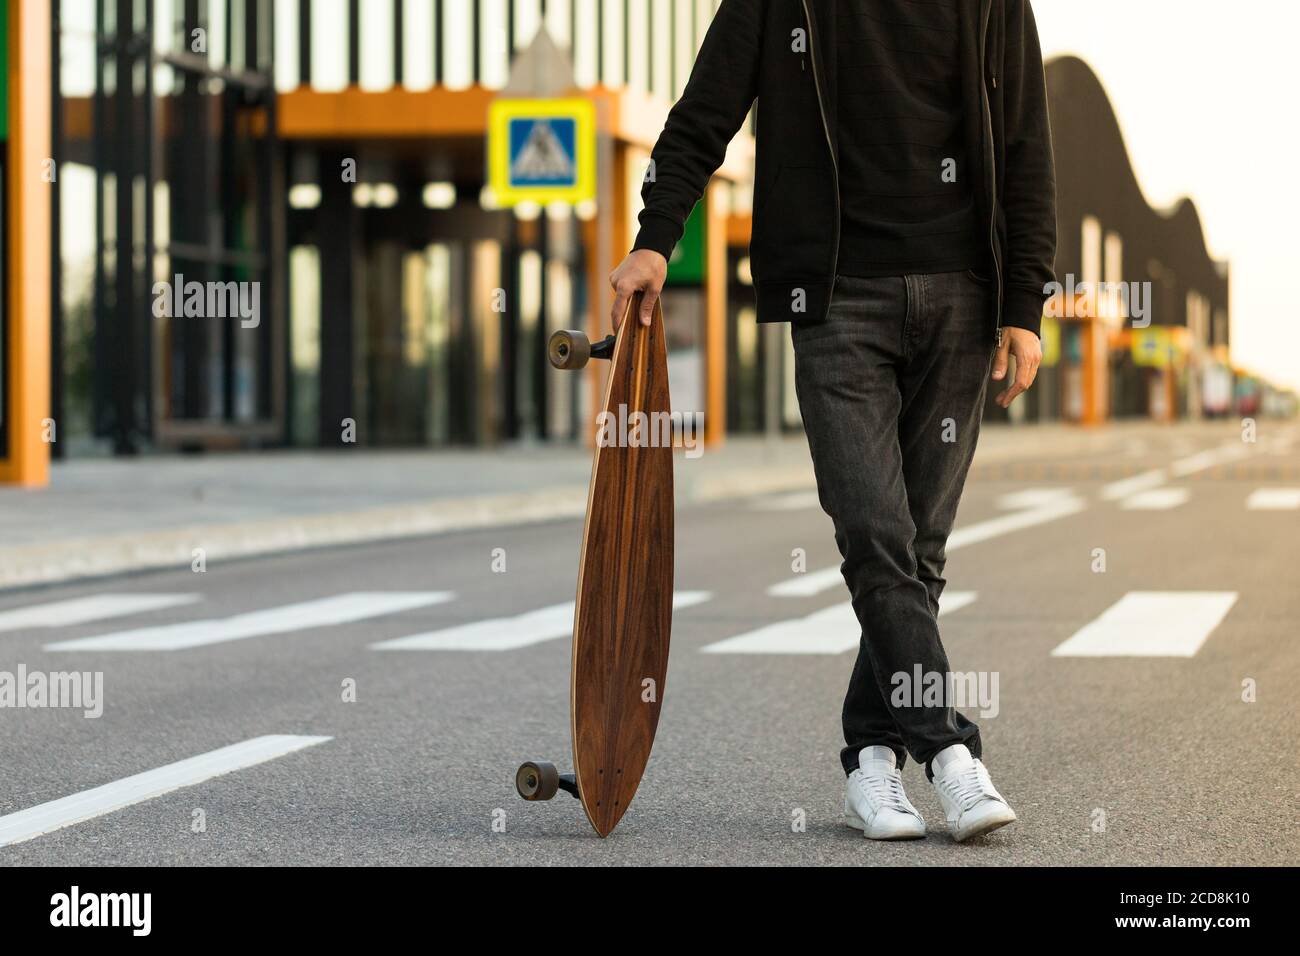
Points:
(1142, 751)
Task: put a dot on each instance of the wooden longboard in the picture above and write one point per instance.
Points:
(624, 609)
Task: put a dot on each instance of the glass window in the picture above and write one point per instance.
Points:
(287, 67)
(683, 46)
(417, 44)
(304, 337)
(528, 16)
(612, 44)
(329, 44)
(457, 44)
(494, 43)
(585, 48)
(216, 30)
(559, 17)
(638, 45)
(661, 49)
(376, 47)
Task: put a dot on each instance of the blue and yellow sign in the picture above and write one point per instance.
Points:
(542, 151)
(1153, 346)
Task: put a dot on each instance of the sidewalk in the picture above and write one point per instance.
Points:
(108, 516)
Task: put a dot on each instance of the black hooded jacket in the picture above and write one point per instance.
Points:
(781, 52)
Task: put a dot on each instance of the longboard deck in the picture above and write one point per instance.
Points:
(623, 615)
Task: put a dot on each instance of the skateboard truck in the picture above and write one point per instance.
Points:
(541, 781)
(571, 349)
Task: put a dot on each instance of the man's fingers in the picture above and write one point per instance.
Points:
(1025, 373)
(648, 301)
(620, 306)
(1000, 363)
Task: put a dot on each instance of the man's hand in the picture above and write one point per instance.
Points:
(1024, 345)
(644, 270)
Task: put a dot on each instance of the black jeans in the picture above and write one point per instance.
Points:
(891, 387)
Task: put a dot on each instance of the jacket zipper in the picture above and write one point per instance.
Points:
(830, 144)
(987, 129)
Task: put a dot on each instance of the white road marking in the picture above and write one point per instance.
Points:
(814, 582)
(1274, 499)
(1156, 499)
(1151, 624)
(1209, 458)
(325, 612)
(48, 817)
(1016, 521)
(510, 633)
(1034, 497)
(96, 607)
(1131, 486)
(1147, 480)
(832, 630)
(793, 501)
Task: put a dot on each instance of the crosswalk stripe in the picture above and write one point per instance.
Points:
(1190, 465)
(82, 610)
(79, 807)
(1156, 499)
(1205, 460)
(325, 612)
(1131, 486)
(511, 633)
(832, 630)
(1274, 499)
(1050, 509)
(791, 501)
(1027, 498)
(1151, 624)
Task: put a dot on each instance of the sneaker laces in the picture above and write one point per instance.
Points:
(970, 785)
(885, 789)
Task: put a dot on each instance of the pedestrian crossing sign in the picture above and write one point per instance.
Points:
(542, 151)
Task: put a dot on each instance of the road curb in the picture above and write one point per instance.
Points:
(76, 559)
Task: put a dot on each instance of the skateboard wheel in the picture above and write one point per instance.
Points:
(537, 781)
(568, 349)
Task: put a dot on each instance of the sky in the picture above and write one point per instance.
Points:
(1206, 96)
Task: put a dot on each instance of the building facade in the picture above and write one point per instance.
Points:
(322, 164)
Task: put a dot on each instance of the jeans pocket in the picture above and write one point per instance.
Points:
(976, 277)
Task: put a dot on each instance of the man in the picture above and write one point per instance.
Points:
(905, 224)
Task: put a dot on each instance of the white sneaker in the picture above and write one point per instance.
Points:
(970, 802)
(875, 802)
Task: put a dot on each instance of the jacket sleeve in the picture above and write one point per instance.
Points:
(1029, 179)
(721, 89)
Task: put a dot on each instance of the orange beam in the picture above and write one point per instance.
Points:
(740, 229)
(306, 113)
(632, 118)
(27, 246)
